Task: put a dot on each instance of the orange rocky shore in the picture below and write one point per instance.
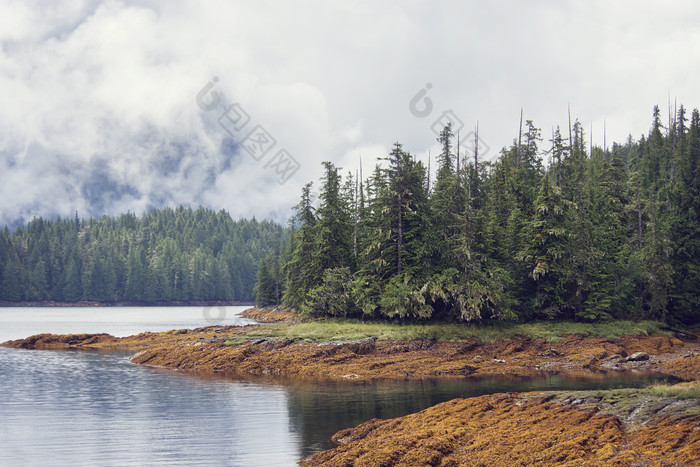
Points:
(570, 429)
(520, 429)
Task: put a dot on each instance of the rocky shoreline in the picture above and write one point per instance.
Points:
(615, 428)
(535, 428)
(225, 349)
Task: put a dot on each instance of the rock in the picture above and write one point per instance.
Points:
(638, 357)
(260, 340)
(136, 355)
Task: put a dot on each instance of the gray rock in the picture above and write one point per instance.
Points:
(638, 357)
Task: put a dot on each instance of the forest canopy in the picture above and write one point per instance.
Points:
(166, 255)
(556, 229)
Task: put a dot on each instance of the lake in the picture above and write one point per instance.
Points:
(67, 407)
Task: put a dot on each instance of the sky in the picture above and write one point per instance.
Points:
(115, 106)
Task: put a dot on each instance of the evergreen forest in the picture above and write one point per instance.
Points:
(166, 255)
(554, 228)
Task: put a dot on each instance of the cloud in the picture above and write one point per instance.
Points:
(99, 109)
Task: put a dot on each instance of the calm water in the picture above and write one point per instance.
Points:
(96, 408)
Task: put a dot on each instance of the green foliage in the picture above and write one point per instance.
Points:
(401, 299)
(301, 269)
(333, 297)
(593, 236)
(168, 254)
(454, 297)
(267, 287)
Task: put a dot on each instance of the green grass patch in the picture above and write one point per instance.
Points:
(236, 340)
(677, 391)
(353, 330)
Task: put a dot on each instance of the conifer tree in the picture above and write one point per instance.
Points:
(300, 271)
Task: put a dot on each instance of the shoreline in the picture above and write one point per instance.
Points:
(122, 303)
(229, 350)
(606, 427)
(614, 427)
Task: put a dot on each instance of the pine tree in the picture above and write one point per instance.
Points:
(300, 271)
(73, 289)
(137, 275)
(11, 286)
(547, 252)
(685, 223)
(266, 287)
(333, 231)
(447, 204)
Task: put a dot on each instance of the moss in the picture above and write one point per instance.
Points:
(237, 350)
(528, 429)
(266, 315)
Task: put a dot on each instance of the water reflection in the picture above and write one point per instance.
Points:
(319, 410)
(89, 408)
(68, 407)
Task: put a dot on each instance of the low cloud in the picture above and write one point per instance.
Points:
(99, 111)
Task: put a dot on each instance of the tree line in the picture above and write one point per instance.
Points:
(559, 229)
(165, 255)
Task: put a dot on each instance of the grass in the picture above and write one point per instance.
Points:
(236, 340)
(677, 391)
(354, 330)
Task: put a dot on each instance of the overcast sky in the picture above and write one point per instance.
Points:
(110, 106)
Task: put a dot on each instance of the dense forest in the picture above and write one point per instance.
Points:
(166, 255)
(550, 230)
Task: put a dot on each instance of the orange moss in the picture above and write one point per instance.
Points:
(504, 429)
(136, 342)
(204, 349)
(265, 315)
(422, 358)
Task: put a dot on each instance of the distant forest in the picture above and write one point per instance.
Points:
(549, 230)
(166, 255)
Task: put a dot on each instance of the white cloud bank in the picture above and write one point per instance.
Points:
(98, 111)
